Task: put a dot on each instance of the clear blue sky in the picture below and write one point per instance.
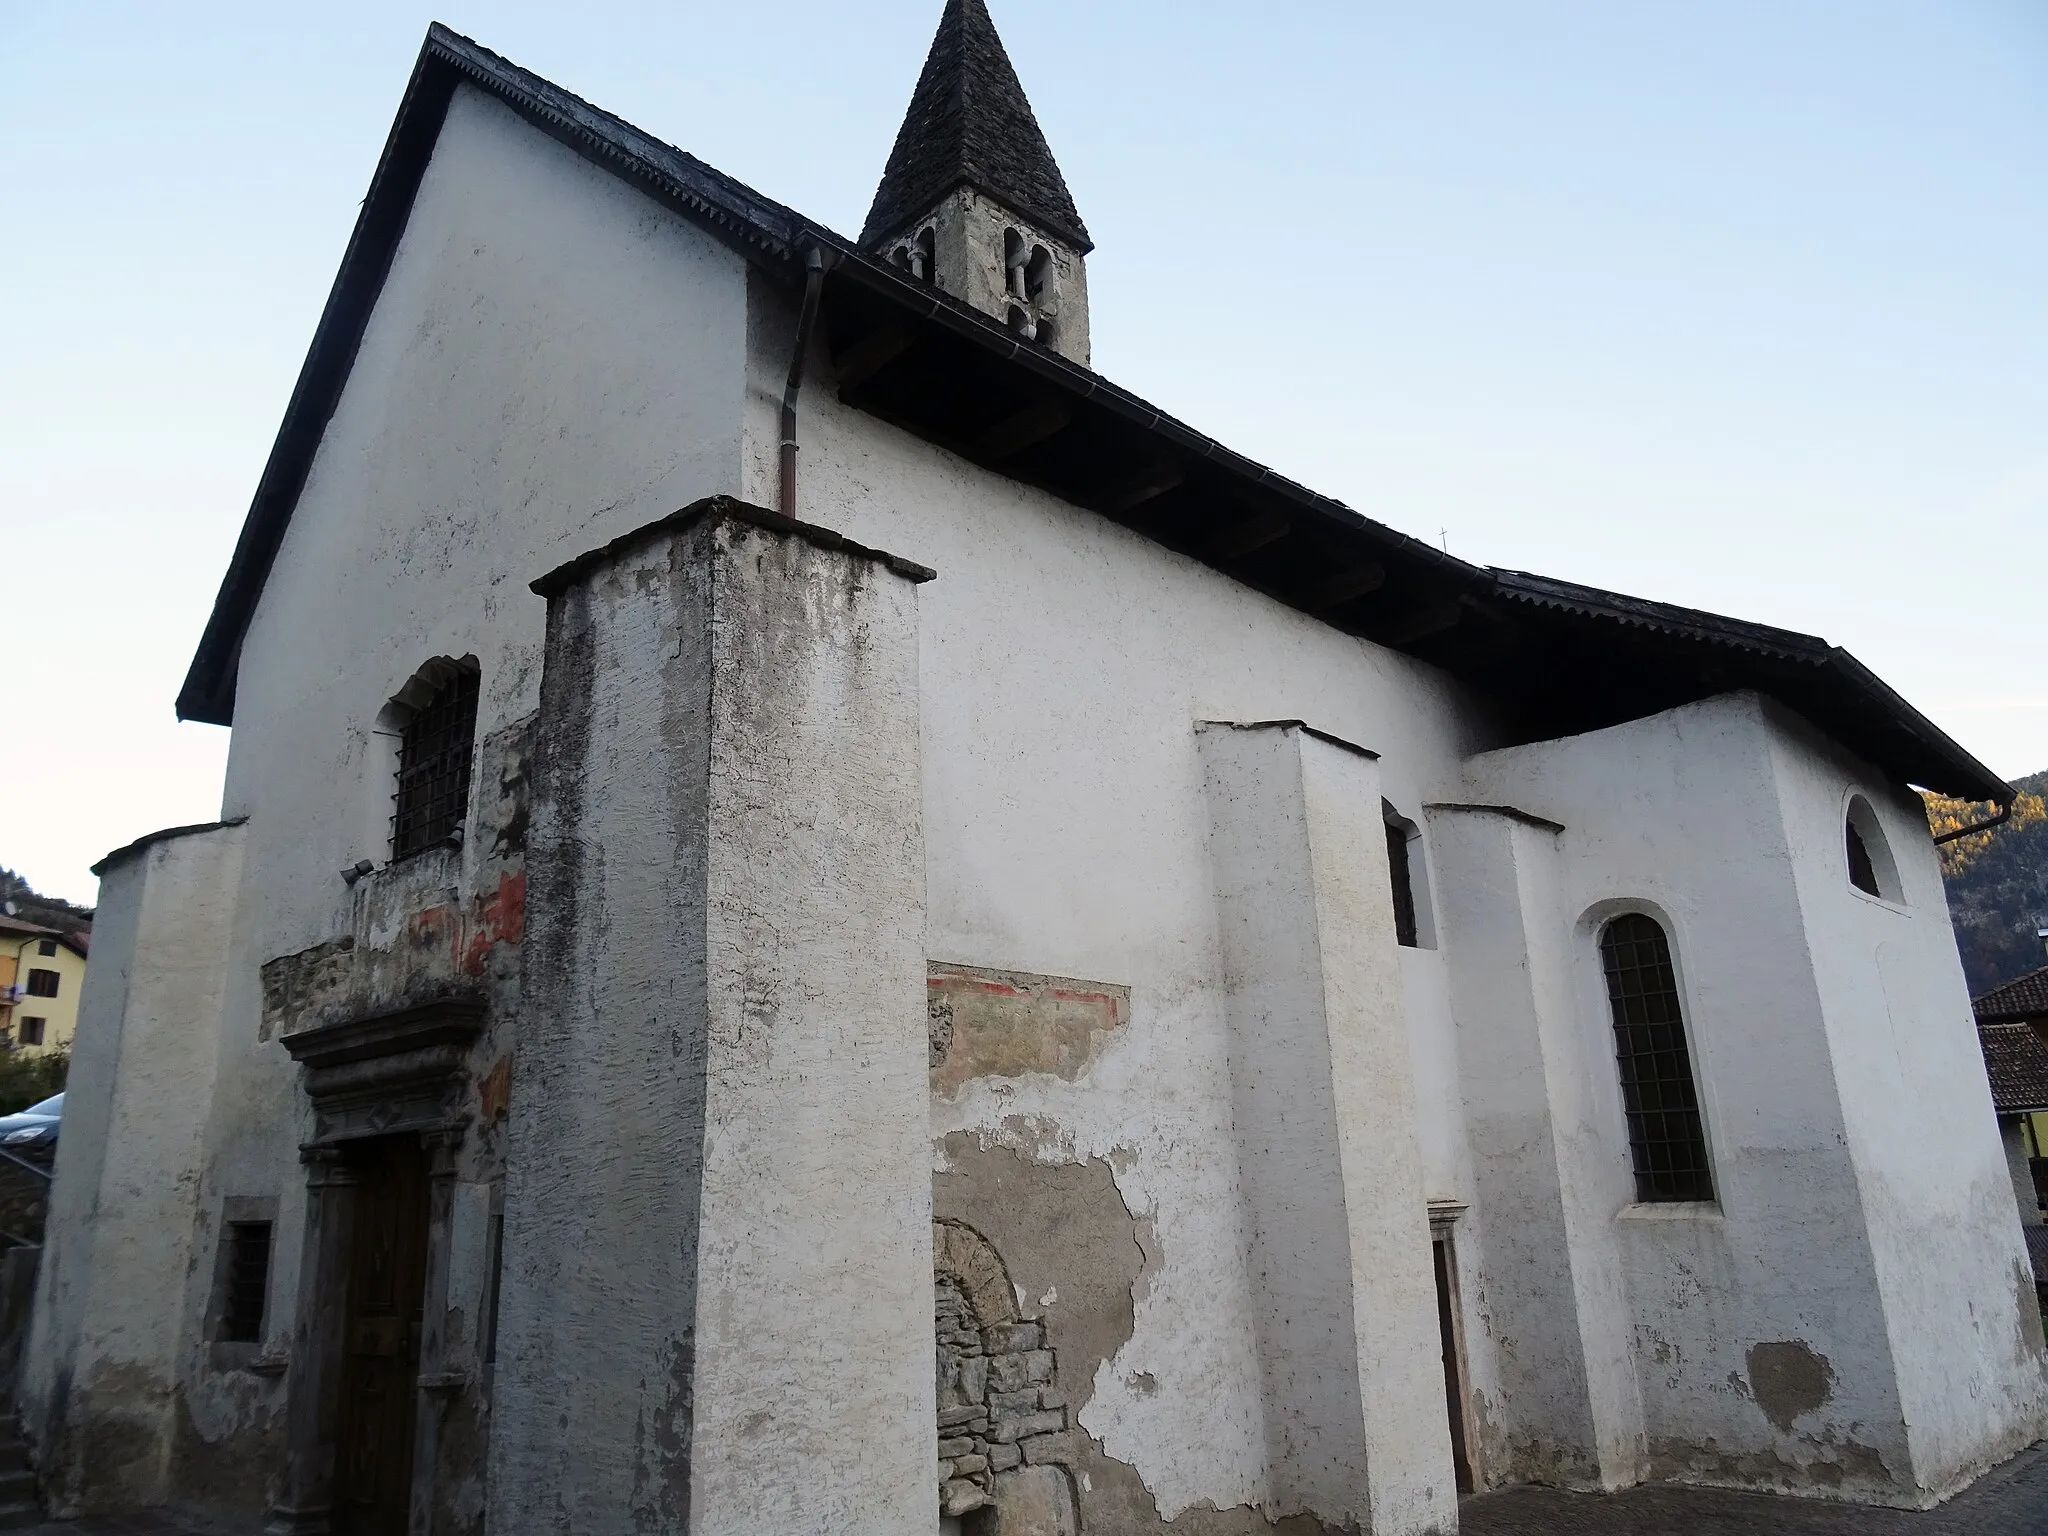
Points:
(1738, 305)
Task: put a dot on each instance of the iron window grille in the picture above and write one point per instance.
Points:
(433, 767)
(247, 1282)
(1666, 1136)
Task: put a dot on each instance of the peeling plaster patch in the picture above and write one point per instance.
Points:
(1068, 1239)
(1787, 1378)
(1064, 1231)
(1838, 1465)
(1009, 1023)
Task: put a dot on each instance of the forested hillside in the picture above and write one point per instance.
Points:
(1997, 884)
(50, 911)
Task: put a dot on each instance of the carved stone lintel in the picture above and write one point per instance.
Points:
(405, 1070)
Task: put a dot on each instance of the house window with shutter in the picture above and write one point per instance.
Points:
(1666, 1136)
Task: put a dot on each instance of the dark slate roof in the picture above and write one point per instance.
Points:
(970, 125)
(1550, 658)
(2026, 998)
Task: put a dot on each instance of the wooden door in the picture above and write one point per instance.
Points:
(1454, 1372)
(380, 1368)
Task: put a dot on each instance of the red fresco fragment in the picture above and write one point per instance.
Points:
(500, 918)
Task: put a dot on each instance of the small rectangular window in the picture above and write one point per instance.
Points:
(246, 1284)
(1404, 886)
(32, 1030)
(42, 983)
(46, 947)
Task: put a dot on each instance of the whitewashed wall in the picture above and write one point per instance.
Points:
(553, 361)
(111, 1319)
(1065, 663)
(1724, 821)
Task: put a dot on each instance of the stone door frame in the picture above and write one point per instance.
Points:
(401, 1071)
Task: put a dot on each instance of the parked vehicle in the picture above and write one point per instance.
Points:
(32, 1133)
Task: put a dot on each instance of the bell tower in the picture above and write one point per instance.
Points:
(972, 201)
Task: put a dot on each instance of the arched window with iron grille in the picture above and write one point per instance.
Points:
(1666, 1136)
(435, 749)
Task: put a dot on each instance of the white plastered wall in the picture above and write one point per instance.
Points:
(1323, 1094)
(1712, 819)
(553, 360)
(110, 1321)
(1953, 1270)
(1064, 663)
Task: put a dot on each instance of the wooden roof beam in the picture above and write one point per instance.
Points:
(1255, 532)
(1025, 429)
(871, 354)
(1135, 490)
(1334, 591)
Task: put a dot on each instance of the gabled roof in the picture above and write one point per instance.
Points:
(969, 124)
(1551, 658)
(15, 930)
(2016, 1061)
(2025, 998)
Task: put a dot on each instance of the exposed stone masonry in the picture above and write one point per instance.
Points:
(999, 1406)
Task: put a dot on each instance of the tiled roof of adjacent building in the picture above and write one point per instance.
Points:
(14, 930)
(2016, 1061)
(2026, 998)
(2037, 1251)
(969, 124)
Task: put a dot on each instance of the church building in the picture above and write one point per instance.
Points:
(824, 922)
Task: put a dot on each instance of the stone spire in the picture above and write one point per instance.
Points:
(972, 200)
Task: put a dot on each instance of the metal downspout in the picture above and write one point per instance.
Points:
(814, 283)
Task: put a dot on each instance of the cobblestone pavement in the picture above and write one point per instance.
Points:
(2011, 1500)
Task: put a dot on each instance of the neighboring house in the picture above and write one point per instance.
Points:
(1292, 1025)
(42, 970)
(2012, 1027)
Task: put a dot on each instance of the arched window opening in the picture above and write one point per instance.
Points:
(1037, 274)
(1862, 873)
(1020, 321)
(1044, 333)
(437, 739)
(1872, 870)
(1666, 1135)
(1015, 256)
(1409, 880)
(998, 1398)
(915, 255)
